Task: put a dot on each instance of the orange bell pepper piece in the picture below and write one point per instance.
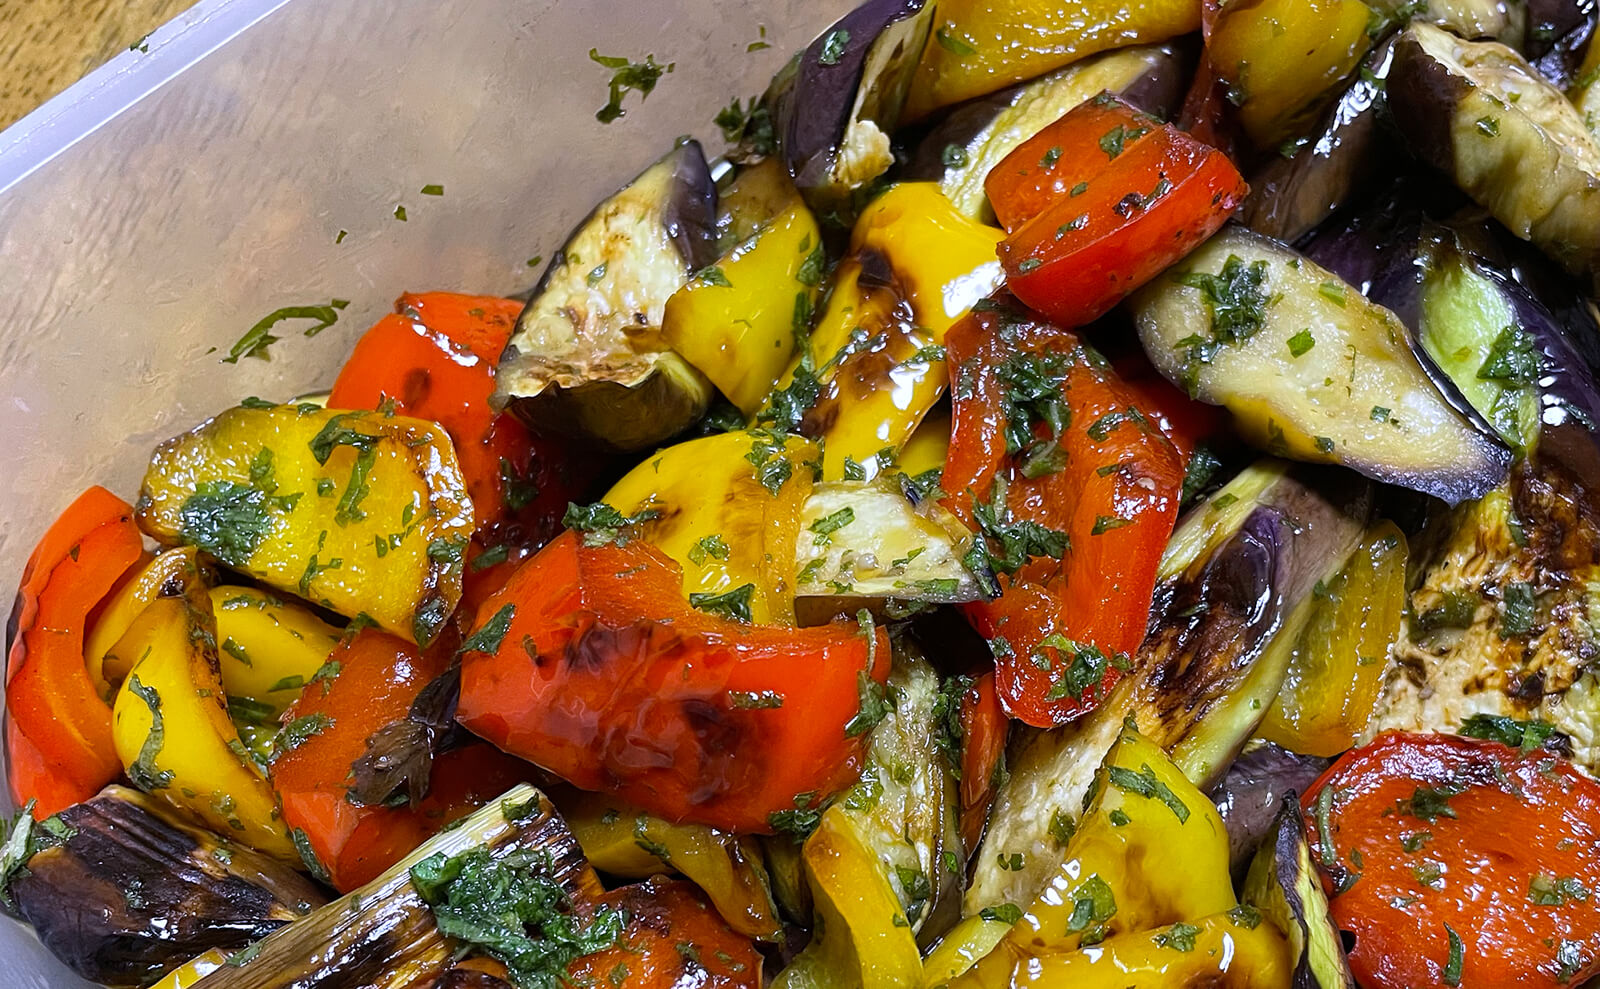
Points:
(590, 663)
(58, 729)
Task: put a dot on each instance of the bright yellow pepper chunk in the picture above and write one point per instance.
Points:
(1338, 662)
(1150, 850)
(863, 939)
(193, 970)
(270, 647)
(738, 320)
(979, 46)
(361, 512)
(120, 609)
(1280, 56)
(1234, 950)
(171, 728)
(726, 519)
(916, 266)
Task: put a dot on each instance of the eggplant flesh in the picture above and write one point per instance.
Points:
(1210, 665)
(587, 357)
(134, 892)
(1290, 196)
(864, 543)
(1479, 112)
(1503, 618)
(1311, 369)
(837, 104)
(1284, 884)
(975, 137)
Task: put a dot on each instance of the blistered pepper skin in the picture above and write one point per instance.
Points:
(1419, 836)
(590, 663)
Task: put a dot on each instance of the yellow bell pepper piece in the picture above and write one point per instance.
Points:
(718, 515)
(863, 939)
(120, 609)
(966, 944)
(1337, 666)
(1280, 56)
(361, 512)
(929, 446)
(622, 840)
(1233, 950)
(979, 46)
(270, 647)
(193, 970)
(171, 728)
(1150, 850)
(916, 266)
(738, 321)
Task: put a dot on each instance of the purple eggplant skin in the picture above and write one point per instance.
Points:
(1569, 392)
(1290, 196)
(1559, 33)
(1285, 883)
(1250, 795)
(817, 101)
(133, 893)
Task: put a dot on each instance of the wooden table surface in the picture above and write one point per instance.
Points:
(47, 45)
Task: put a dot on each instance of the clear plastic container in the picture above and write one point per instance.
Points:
(252, 155)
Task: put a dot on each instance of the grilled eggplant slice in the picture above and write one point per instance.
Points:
(837, 105)
(132, 891)
(1285, 886)
(1310, 369)
(1480, 113)
(1503, 619)
(863, 543)
(1290, 196)
(1213, 660)
(975, 137)
(587, 357)
(382, 936)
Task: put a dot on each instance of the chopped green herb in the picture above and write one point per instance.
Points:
(829, 524)
(1301, 343)
(755, 700)
(711, 547)
(226, 519)
(833, 46)
(514, 909)
(800, 822)
(1452, 964)
(433, 189)
(1146, 784)
(954, 156)
(734, 604)
(1488, 126)
(1429, 803)
(143, 772)
(488, 638)
(1005, 913)
(259, 337)
(1516, 610)
(1116, 140)
(1513, 360)
(626, 76)
(601, 524)
(1178, 937)
(713, 275)
(874, 706)
(1093, 905)
(959, 47)
(1524, 735)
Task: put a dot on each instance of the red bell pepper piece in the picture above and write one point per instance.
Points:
(671, 938)
(1051, 459)
(1182, 420)
(435, 359)
(591, 664)
(1458, 862)
(1102, 201)
(58, 729)
(379, 676)
(984, 726)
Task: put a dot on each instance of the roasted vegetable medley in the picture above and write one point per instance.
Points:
(1076, 494)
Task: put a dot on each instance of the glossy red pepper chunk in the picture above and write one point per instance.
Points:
(334, 722)
(984, 727)
(590, 663)
(58, 727)
(672, 939)
(1050, 449)
(1458, 862)
(434, 359)
(1102, 201)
